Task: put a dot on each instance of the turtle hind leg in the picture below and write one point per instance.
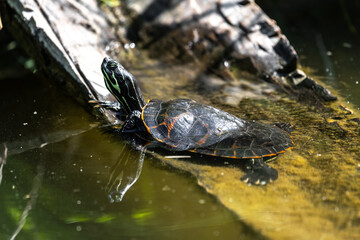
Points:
(259, 173)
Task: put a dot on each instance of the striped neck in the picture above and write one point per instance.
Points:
(122, 85)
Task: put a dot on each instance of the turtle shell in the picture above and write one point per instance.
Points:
(184, 124)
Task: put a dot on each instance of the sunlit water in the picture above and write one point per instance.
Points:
(54, 181)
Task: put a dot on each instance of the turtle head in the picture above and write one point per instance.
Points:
(122, 85)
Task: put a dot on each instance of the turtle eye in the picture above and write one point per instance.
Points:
(112, 65)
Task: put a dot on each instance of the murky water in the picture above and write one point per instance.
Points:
(58, 190)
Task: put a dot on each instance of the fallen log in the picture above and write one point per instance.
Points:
(218, 30)
(66, 38)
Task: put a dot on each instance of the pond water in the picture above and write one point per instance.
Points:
(57, 153)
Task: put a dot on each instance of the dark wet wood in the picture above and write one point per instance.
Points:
(241, 27)
(66, 38)
(216, 30)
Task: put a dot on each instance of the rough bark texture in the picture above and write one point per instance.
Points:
(216, 30)
(241, 27)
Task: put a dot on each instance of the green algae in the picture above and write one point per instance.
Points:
(317, 195)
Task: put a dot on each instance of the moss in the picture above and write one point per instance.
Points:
(317, 193)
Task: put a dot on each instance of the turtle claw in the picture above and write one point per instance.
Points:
(259, 173)
(114, 106)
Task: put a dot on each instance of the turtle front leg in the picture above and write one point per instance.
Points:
(259, 173)
(110, 105)
(133, 123)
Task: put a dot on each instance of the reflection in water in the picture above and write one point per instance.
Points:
(125, 172)
(3, 155)
(325, 56)
(32, 198)
(17, 147)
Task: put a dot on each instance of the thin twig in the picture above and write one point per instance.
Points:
(3, 161)
(32, 199)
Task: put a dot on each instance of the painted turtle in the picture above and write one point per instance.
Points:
(185, 125)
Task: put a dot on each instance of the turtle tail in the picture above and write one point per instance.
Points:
(287, 127)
